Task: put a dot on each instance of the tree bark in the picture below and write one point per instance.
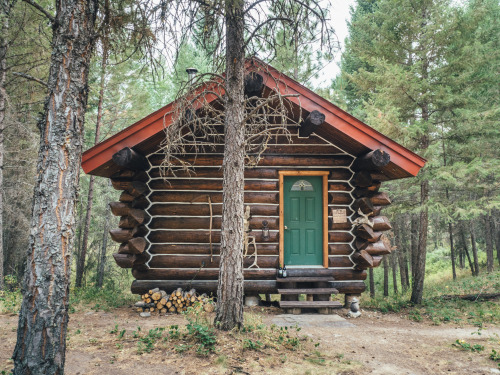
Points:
(398, 233)
(488, 235)
(105, 235)
(474, 248)
(229, 313)
(418, 282)
(414, 245)
(43, 319)
(394, 268)
(466, 250)
(80, 267)
(372, 283)
(452, 250)
(386, 276)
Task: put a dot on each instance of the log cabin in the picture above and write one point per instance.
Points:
(314, 201)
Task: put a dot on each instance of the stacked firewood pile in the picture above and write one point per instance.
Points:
(157, 300)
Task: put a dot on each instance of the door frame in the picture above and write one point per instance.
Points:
(282, 175)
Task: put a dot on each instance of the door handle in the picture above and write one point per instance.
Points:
(286, 227)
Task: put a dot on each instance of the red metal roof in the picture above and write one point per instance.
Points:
(340, 128)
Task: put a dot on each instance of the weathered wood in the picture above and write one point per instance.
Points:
(134, 188)
(250, 173)
(339, 198)
(311, 124)
(124, 260)
(377, 259)
(127, 222)
(373, 160)
(204, 249)
(380, 223)
(130, 159)
(199, 236)
(363, 204)
(339, 226)
(363, 259)
(126, 197)
(339, 186)
(140, 202)
(378, 248)
(188, 197)
(124, 235)
(367, 191)
(204, 223)
(119, 208)
(249, 274)
(469, 297)
(362, 179)
(253, 84)
(365, 232)
(137, 245)
(180, 184)
(127, 174)
(269, 160)
(140, 216)
(339, 249)
(380, 199)
(204, 210)
(361, 244)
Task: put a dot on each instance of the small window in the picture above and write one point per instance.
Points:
(302, 185)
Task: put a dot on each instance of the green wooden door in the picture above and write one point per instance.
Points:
(303, 220)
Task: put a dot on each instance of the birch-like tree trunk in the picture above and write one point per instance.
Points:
(43, 319)
(80, 267)
(229, 312)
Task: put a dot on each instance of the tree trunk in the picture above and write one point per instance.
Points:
(400, 252)
(372, 283)
(452, 250)
(414, 245)
(80, 267)
(4, 43)
(489, 243)
(105, 235)
(229, 312)
(466, 250)
(418, 282)
(496, 231)
(394, 268)
(386, 276)
(474, 248)
(43, 319)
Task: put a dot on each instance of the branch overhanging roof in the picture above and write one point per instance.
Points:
(340, 128)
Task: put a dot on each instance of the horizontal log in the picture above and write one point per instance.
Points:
(362, 179)
(339, 186)
(380, 199)
(268, 160)
(362, 259)
(250, 286)
(140, 202)
(200, 236)
(134, 188)
(363, 204)
(130, 159)
(378, 248)
(339, 249)
(126, 197)
(130, 175)
(373, 160)
(187, 261)
(366, 192)
(250, 173)
(204, 210)
(140, 216)
(380, 223)
(204, 249)
(249, 274)
(188, 197)
(124, 260)
(204, 223)
(119, 208)
(339, 226)
(181, 184)
(312, 123)
(127, 222)
(124, 235)
(339, 198)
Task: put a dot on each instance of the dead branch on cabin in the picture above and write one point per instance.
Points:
(198, 116)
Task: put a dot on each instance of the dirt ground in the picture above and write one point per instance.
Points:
(376, 344)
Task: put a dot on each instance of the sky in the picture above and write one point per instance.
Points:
(339, 17)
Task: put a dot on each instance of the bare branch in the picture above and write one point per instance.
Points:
(31, 78)
(42, 10)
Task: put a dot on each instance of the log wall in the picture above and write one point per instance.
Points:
(177, 243)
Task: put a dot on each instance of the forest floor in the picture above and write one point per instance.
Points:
(112, 343)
